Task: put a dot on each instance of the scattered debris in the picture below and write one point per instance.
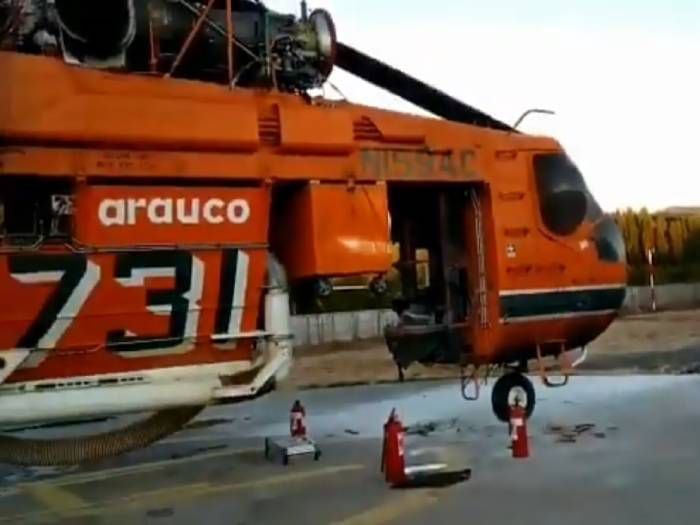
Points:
(553, 429)
(693, 368)
(424, 429)
(583, 427)
(567, 437)
(199, 450)
(440, 479)
(570, 434)
(207, 423)
(165, 512)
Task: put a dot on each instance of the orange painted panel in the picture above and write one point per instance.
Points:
(316, 130)
(335, 230)
(127, 311)
(405, 131)
(81, 106)
(151, 215)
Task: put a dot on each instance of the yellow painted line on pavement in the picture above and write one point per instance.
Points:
(392, 510)
(142, 468)
(148, 467)
(296, 476)
(59, 501)
(208, 489)
(179, 494)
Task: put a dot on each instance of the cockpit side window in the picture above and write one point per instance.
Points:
(564, 199)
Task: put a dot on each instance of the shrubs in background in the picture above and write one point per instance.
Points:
(674, 237)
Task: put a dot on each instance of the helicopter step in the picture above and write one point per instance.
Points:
(563, 365)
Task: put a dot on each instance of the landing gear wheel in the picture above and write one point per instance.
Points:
(506, 389)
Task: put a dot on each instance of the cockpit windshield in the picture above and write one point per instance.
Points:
(566, 203)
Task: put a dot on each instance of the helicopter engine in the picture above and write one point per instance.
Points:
(270, 49)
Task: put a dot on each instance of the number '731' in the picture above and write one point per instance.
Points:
(76, 276)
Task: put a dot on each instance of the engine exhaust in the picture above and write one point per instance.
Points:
(96, 33)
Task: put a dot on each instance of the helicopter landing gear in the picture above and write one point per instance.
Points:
(505, 391)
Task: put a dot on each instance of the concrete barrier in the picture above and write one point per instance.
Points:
(340, 326)
(368, 324)
(668, 297)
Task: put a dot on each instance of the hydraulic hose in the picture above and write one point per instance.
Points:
(70, 451)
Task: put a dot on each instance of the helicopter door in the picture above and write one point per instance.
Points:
(452, 255)
(481, 281)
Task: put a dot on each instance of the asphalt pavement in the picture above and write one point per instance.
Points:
(603, 450)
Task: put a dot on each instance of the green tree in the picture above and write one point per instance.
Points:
(687, 224)
(646, 231)
(676, 240)
(678, 237)
(663, 249)
(630, 231)
(694, 224)
(691, 252)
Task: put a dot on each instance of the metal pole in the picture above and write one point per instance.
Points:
(190, 37)
(445, 257)
(650, 259)
(152, 45)
(229, 41)
(217, 28)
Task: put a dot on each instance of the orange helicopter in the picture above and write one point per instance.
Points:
(165, 177)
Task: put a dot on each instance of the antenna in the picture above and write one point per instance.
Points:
(528, 112)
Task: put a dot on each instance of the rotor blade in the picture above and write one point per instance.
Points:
(412, 89)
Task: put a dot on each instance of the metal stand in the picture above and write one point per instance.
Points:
(286, 447)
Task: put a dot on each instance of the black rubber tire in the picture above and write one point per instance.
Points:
(501, 391)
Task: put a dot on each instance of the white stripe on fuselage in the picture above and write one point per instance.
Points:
(593, 287)
(550, 317)
(239, 291)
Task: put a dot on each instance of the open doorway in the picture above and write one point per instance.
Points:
(429, 223)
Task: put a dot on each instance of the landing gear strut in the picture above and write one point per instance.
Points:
(506, 389)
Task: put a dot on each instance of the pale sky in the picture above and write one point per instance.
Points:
(622, 75)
